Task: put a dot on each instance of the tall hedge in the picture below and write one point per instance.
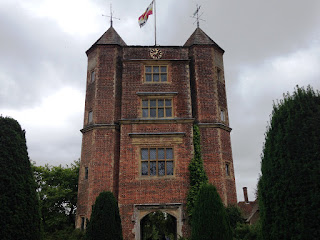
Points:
(209, 219)
(198, 176)
(289, 195)
(105, 222)
(19, 211)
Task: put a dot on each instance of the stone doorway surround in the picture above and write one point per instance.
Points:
(141, 210)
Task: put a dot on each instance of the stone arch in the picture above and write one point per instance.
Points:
(142, 210)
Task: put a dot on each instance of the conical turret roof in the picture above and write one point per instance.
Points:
(199, 37)
(110, 37)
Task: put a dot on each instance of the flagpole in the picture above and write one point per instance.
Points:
(155, 23)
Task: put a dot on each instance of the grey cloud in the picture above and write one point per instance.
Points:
(37, 58)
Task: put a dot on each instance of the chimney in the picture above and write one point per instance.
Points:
(245, 193)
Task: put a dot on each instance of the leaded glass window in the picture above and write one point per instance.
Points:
(157, 108)
(156, 74)
(157, 162)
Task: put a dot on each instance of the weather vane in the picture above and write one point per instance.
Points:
(111, 17)
(196, 16)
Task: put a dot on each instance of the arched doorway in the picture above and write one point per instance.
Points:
(158, 225)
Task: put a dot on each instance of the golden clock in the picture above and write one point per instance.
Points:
(155, 53)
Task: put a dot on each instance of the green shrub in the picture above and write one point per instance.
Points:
(234, 216)
(105, 222)
(19, 211)
(209, 220)
(248, 232)
(289, 196)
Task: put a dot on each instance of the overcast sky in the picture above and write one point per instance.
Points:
(271, 46)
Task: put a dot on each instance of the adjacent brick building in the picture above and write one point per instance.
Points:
(141, 104)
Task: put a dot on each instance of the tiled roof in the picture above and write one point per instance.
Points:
(199, 37)
(110, 37)
(247, 207)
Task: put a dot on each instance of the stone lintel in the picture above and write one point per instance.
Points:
(215, 125)
(157, 93)
(96, 126)
(158, 134)
(156, 60)
(158, 206)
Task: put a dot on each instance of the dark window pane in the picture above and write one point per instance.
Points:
(168, 112)
(163, 77)
(144, 168)
(222, 115)
(148, 69)
(145, 112)
(219, 74)
(169, 153)
(155, 77)
(163, 69)
(153, 153)
(144, 103)
(148, 77)
(161, 168)
(153, 112)
(83, 220)
(86, 173)
(160, 102)
(92, 76)
(153, 103)
(160, 153)
(227, 169)
(153, 168)
(144, 154)
(160, 113)
(169, 168)
(168, 102)
(155, 69)
(90, 117)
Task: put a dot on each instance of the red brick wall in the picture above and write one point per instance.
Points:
(99, 156)
(100, 145)
(209, 98)
(134, 189)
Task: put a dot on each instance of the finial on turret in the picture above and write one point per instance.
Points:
(196, 16)
(111, 16)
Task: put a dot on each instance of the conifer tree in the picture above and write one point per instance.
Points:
(209, 219)
(198, 176)
(105, 222)
(289, 195)
(19, 211)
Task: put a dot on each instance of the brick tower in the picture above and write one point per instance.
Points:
(141, 104)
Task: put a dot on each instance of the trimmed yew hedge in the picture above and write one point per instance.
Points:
(289, 196)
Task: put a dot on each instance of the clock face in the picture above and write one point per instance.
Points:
(155, 53)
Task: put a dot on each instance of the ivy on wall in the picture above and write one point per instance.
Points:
(198, 176)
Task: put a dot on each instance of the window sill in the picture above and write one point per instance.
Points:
(156, 120)
(156, 177)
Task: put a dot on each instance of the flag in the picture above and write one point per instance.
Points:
(144, 17)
